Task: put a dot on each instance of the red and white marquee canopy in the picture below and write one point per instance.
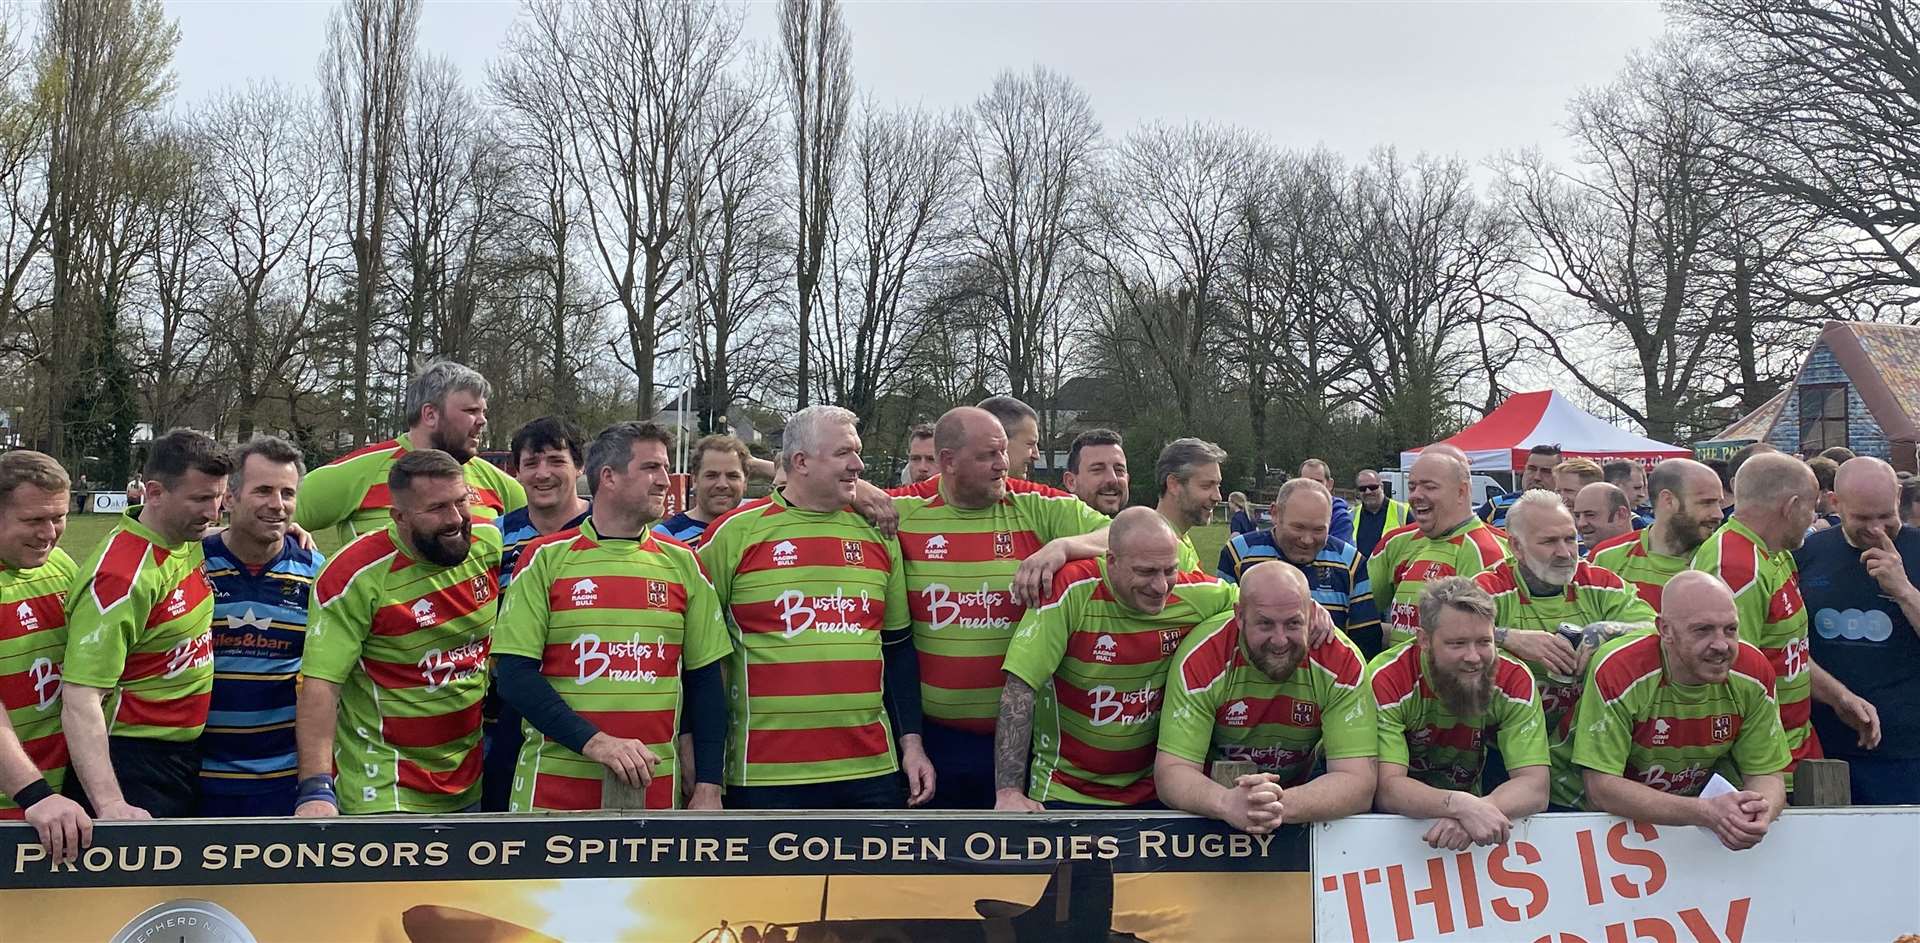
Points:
(1500, 441)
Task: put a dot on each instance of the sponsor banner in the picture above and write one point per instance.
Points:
(107, 502)
(735, 877)
(1820, 874)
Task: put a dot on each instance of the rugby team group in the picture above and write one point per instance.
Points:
(967, 640)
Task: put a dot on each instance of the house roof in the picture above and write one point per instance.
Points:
(1883, 363)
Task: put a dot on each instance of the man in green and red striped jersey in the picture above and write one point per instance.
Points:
(138, 675)
(1545, 584)
(598, 633)
(1247, 686)
(1442, 698)
(1662, 710)
(1445, 539)
(823, 675)
(1686, 511)
(1087, 668)
(1774, 497)
(396, 657)
(34, 577)
(1189, 475)
(446, 410)
(963, 535)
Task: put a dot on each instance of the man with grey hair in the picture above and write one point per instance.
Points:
(261, 578)
(1774, 499)
(1189, 476)
(1443, 698)
(446, 410)
(1445, 539)
(1544, 586)
(824, 677)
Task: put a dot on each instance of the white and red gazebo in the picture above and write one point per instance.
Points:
(1500, 441)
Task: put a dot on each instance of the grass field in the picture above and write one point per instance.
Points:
(85, 531)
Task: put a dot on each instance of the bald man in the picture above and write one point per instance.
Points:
(1859, 579)
(1246, 686)
(1299, 536)
(1686, 511)
(1662, 709)
(1087, 667)
(1445, 539)
(1774, 498)
(962, 536)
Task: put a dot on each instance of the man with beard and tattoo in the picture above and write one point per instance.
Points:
(138, 673)
(1246, 686)
(720, 466)
(1545, 585)
(1445, 539)
(1686, 511)
(1299, 537)
(446, 411)
(547, 457)
(1661, 710)
(1097, 470)
(1189, 476)
(1774, 499)
(396, 659)
(1541, 460)
(1442, 697)
(1600, 514)
(963, 535)
(1086, 669)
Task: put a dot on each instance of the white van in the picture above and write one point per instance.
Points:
(1482, 487)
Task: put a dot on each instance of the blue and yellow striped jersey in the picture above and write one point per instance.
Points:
(1336, 576)
(259, 633)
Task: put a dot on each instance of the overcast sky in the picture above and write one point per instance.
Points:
(1465, 78)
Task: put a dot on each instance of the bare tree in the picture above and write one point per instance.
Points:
(1029, 155)
(737, 247)
(269, 185)
(637, 78)
(892, 225)
(364, 76)
(817, 59)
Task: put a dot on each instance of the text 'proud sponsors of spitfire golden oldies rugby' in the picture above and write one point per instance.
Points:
(743, 877)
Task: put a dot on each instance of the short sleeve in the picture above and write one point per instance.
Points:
(1186, 721)
(337, 629)
(105, 613)
(1349, 716)
(526, 608)
(1040, 641)
(706, 639)
(1761, 747)
(1391, 727)
(1601, 733)
(1523, 728)
(899, 615)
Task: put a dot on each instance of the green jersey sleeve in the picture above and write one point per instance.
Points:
(105, 612)
(337, 629)
(719, 557)
(1065, 517)
(1602, 732)
(1391, 727)
(1761, 746)
(1380, 584)
(328, 496)
(1625, 605)
(1350, 718)
(705, 640)
(1186, 719)
(1523, 728)
(521, 628)
(1040, 641)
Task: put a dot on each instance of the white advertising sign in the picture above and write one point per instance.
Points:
(1826, 875)
(107, 502)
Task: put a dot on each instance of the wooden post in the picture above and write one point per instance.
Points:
(615, 794)
(1821, 783)
(1225, 772)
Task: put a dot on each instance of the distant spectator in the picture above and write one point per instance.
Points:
(1910, 501)
(1838, 455)
(1824, 470)
(1341, 524)
(1631, 477)
(1572, 475)
(1242, 521)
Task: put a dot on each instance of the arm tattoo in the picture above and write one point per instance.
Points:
(1013, 735)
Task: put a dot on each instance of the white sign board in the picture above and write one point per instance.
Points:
(1828, 875)
(107, 502)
